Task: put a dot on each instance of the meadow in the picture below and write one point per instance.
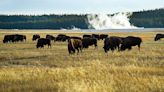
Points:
(24, 68)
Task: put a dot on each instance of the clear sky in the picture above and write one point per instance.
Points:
(76, 6)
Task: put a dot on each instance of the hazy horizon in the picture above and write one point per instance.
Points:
(40, 7)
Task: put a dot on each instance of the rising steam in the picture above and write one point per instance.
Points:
(116, 21)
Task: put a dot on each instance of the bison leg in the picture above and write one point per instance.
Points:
(122, 48)
(80, 48)
(69, 50)
(73, 51)
(139, 47)
(118, 47)
(77, 51)
(95, 46)
(130, 47)
(112, 49)
(49, 45)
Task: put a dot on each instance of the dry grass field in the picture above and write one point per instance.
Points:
(23, 68)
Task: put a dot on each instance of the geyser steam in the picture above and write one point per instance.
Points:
(116, 21)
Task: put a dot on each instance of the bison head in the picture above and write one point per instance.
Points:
(157, 38)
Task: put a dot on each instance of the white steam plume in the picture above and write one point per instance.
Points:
(104, 21)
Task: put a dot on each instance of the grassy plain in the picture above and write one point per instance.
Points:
(23, 68)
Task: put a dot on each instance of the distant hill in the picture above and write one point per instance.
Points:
(146, 19)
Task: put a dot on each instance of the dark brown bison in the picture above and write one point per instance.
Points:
(73, 45)
(43, 41)
(35, 37)
(112, 43)
(86, 41)
(8, 38)
(103, 36)
(86, 35)
(50, 37)
(14, 38)
(158, 37)
(18, 37)
(97, 36)
(62, 37)
(130, 41)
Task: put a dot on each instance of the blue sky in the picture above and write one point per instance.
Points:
(76, 6)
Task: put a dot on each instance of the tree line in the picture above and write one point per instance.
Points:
(43, 21)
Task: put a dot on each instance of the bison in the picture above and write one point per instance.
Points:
(130, 41)
(103, 36)
(50, 37)
(18, 37)
(112, 43)
(73, 45)
(43, 41)
(88, 42)
(35, 37)
(62, 37)
(96, 36)
(158, 37)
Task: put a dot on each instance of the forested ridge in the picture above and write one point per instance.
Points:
(43, 21)
(146, 19)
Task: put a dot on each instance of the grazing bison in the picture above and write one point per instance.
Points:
(103, 36)
(112, 43)
(18, 37)
(73, 45)
(130, 41)
(8, 38)
(62, 37)
(96, 36)
(86, 41)
(50, 37)
(158, 37)
(43, 41)
(35, 37)
(14, 38)
(85, 35)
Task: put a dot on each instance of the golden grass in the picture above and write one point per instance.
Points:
(25, 68)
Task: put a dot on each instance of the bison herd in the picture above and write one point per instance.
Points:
(14, 38)
(77, 43)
